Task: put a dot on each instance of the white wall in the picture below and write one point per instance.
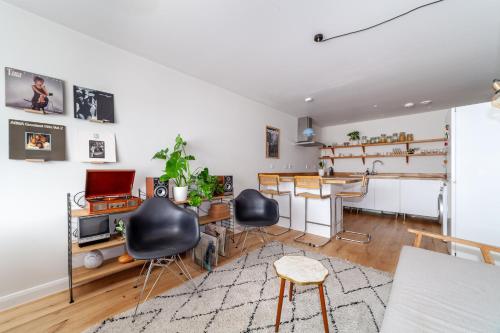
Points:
(423, 126)
(152, 104)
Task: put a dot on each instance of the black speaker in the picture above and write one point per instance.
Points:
(156, 188)
(227, 183)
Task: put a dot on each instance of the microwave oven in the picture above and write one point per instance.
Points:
(93, 229)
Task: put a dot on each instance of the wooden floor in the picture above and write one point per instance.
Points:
(101, 299)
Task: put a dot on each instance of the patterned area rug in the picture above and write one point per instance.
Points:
(242, 296)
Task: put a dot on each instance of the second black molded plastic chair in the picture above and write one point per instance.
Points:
(254, 211)
(158, 232)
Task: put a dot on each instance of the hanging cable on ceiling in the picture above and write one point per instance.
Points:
(319, 38)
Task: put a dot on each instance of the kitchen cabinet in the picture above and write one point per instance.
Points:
(405, 196)
(386, 194)
(419, 197)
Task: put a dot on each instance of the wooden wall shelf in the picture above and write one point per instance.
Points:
(385, 144)
(365, 156)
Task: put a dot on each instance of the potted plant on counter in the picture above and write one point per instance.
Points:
(321, 169)
(177, 167)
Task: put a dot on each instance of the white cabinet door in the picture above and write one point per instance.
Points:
(419, 197)
(368, 202)
(386, 194)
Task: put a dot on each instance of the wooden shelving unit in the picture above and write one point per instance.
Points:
(364, 156)
(82, 275)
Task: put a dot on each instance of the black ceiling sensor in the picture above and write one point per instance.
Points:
(319, 38)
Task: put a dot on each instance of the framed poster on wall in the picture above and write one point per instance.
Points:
(96, 147)
(33, 92)
(272, 142)
(36, 141)
(93, 104)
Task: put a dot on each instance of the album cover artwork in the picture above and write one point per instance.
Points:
(96, 147)
(33, 92)
(30, 140)
(93, 105)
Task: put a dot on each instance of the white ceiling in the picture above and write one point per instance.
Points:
(264, 49)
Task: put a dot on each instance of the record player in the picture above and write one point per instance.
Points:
(110, 191)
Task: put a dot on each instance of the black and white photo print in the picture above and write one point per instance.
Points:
(90, 104)
(97, 149)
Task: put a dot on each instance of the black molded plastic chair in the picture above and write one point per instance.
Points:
(159, 231)
(254, 211)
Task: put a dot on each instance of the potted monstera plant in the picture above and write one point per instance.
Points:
(177, 167)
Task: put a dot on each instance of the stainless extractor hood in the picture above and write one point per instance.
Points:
(302, 139)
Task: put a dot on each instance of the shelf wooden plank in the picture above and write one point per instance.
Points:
(387, 143)
(205, 219)
(382, 156)
(114, 241)
(84, 212)
(213, 199)
(82, 275)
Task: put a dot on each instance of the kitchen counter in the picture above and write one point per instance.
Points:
(339, 176)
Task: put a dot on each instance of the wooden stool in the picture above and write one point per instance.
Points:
(274, 181)
(348, 195)
(302, 271)
(313, 183)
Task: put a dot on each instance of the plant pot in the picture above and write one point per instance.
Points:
(180, 193)
(321, 172)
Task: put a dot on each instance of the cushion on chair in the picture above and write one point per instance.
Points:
(435, 292)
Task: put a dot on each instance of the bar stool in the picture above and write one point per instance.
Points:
(344, 195)
(312, 183)
(274, 180)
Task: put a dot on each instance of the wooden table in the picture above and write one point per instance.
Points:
(302, 271)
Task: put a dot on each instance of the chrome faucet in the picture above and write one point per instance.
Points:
(373, 172)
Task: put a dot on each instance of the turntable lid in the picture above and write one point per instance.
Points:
(109, 183)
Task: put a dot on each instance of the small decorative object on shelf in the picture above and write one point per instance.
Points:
(409, 137)
(93, 259)
(321, 170)
(354, 137)
(364, 139)
(402, 136)
(125, 258)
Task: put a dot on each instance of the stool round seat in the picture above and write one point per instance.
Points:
(300, 270)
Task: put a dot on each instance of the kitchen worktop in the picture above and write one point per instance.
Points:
(288, 176)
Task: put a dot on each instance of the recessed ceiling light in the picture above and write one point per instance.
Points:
(308, 99)
(375, 105)
(426, 102)
(409, 105)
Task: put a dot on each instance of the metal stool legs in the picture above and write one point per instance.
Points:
(298, 238)
(285, 217)
(343, 231)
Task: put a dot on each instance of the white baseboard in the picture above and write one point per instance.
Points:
(26, 295)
